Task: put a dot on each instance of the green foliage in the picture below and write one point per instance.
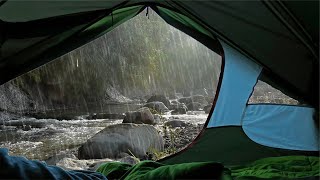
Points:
(172, 149)
(156, 154)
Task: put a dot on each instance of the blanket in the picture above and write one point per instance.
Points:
(18, 167)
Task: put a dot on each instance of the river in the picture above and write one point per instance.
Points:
(56, 136)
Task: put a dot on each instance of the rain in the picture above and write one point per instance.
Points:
(50, 113)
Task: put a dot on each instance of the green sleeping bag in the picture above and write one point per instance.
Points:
(286, 167)
(154, 170)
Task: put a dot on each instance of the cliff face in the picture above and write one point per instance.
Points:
(14, 99)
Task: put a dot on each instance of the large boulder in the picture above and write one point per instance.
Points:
(194, 106)
(141, 116)
(159, 107)
(159, 98)
(121, 138)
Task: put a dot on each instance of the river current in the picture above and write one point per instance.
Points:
(57, 136)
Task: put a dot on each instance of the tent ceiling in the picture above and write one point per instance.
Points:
(280, 36)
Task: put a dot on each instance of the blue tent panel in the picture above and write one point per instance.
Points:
(240, 76)
(280, 126)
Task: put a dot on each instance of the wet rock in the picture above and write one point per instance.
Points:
(129, 160)
(106, 116)
(210, 99)
(159, 98)
(27, 123)
(194, 106)
(174, 102)
(185, 100)
(180, 109)
(199, 99)
(26, 128)
(53, 115)
(13, 99)
(141, 116)
(207, 108)
(157, 118)
(5, 116)
(194, 99)
(96, 163)
(58, 157)
(159, 107)
(72, 163)
(175, 123)
(119, 138)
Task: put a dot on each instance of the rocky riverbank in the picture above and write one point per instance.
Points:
(57, 142)
(151, 131)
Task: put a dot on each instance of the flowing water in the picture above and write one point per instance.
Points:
(56, 136)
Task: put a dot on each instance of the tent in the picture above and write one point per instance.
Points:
(273, 41)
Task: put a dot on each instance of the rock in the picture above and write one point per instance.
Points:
(185, 100)
(76, 164)
(174, 102)
(53, 115)
(5, 116)
(58, 157)
(199, 99)
(129, 160)
(210, 99)
(26, 128)
(194, 99)
(157, 106)
(120, 138)
(159, 98)
(13, 99)
(180, 109)
(26, 124)
(141, 116)
(175, 123)
(194, 106)
(157, 118)
(207, 108)
(106, 116)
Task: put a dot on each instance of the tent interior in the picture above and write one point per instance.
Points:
(258, 49)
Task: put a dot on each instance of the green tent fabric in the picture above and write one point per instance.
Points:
(230, 146)
(281, 36)
(154, 170)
